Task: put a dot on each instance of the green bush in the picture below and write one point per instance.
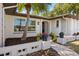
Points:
(39, 35)
(53, 36)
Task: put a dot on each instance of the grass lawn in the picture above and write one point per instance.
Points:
(74, 46)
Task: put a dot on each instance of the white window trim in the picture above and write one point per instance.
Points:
(20, 32)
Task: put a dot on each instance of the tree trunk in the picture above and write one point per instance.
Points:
(77, 16)
(26, 26)
(20, 25)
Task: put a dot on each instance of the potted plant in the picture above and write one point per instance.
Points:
(61, 34)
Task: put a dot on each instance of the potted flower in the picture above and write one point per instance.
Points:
(61, 34)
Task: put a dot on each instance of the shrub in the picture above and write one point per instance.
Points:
(39, 36)
(53, 36)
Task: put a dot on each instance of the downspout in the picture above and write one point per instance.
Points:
(66, 27)
(3, 19)
(3, 36)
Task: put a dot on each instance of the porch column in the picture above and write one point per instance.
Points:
(3, 27)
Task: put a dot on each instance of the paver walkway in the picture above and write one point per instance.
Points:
(63, 50)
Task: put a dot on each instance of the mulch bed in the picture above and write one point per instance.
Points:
(16, 41)
(47, 52)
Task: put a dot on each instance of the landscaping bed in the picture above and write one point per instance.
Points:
(16, 41)
(47, 52)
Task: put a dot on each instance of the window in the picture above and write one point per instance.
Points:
(57, 23)
(19, 25)
(32, 26)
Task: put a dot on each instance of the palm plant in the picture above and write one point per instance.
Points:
(36, 7)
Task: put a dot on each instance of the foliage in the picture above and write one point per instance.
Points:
(66, 8)
(53, 36)
(57, 9)
(37, 8)
(39, 36)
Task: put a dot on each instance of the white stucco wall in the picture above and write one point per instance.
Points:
(78, 25)
(75, 25)
(63, 25)
(55, 29)
(69, 26)
(0, 24)
(66, 25)
(9, 27)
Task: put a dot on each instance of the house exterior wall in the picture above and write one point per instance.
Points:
(66, 25)
(63, 25)
(78, 25)
(70, 26)
(55, 29)
(1, 30)
(9, 27)
(75, 26)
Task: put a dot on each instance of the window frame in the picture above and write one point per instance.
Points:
(28, 26)
(57, 23)
(32, 26)
(15, 19)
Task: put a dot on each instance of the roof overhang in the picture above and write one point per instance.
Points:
(10, 9)
(62, 16)
(25, 15)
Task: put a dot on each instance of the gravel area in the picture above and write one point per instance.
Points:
(47, 52)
